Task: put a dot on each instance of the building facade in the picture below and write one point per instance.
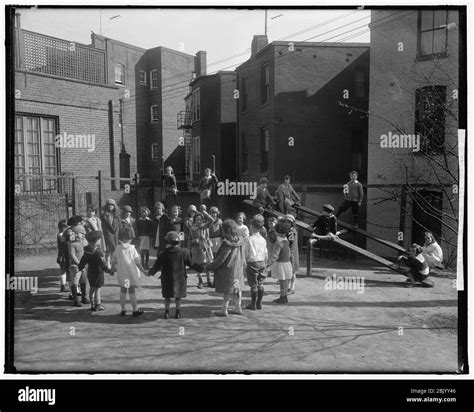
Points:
(413, 122)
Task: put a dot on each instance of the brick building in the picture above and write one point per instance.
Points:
(289, 118)
(209, 123)
(413, 85)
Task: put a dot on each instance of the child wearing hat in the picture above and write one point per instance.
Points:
(94, 259)
(228, 267)
(110, 228)
(173, 262)
(353, 196)
(128, 220)
(279, 261)
(63, 255)
(187, 223)
(126, 263)
(286, 195)
(76, 251)
(325, 226)
(144, 230)
(256, 256)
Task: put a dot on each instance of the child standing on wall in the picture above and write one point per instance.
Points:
(286, 195)
(353, 196)
(206, 186)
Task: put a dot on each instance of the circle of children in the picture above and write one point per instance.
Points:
(108, 243)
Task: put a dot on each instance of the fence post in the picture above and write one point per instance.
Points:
(136, 179)
(99, 186)
(309, 257)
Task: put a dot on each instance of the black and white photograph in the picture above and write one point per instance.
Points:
(238, 190)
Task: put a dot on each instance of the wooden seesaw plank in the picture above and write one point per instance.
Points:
(343, 243)
(387, 243)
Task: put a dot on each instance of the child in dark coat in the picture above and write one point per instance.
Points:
(94, 258)
(173, 262)
(63, 256)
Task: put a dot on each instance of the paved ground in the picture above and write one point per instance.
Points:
(387, 328)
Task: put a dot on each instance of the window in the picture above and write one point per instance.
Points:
(432, 32)
(119, 74)
(196, 104)
(142, 77)
(155, 153)
(35, 152)
(265, 83)
(357, 152)
(155, 115)
(244, 94)
(430, 118)
(154, 79)
(196, 154)
(360, 83)
(245, 154)
(264, 148)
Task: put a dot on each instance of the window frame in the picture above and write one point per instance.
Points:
(264, 144)
(196, 104)
(196, 154)
(140, 80)
(153, 86)
(264, 84)
(43, 183)
(359, 83)
(431, 55)
(122, 66)
(152, 120)
(155, 146)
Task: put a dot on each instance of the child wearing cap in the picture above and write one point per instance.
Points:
(144, 229)
(256, 256)
(419, 268)
(228, 267)
(286, 195)
(173, 262)
(128, 220)
(76, 277)
(126, 263)
(110, 228)
(325, 226)
(279, 261)
(63, 257)
(353, 196)
(94, 259)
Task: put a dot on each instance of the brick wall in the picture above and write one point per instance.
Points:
(394, 77)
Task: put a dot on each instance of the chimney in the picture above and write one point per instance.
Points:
(200, 63)
(259, 41)
(18, 20)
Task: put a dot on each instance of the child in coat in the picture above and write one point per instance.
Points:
(286, 195)
(228, 267)
(173, 262)
(215, 231)
(201, 246)
(76, 277)
(144, 230)
(94, 259)
(279, 261)
(271, 237)
(256, 256)
(63, 255)
(126, 262)
(187, 223)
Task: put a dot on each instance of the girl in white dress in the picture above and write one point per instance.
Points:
(126, 262)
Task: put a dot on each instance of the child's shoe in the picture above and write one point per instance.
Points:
(281, 299)
(220, 313)
(93, 308)
(177, 315)
(167, 314)
(251, 306)
(199, 286)
(259, 299)
(77, 303)
(236, 311)
(99, 307)
(137, 313)
(64, 288)
(123, 313)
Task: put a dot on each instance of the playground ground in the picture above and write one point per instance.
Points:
(386, 328)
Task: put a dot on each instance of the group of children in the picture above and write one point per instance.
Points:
(89, 248)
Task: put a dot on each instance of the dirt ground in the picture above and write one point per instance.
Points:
(387, 328)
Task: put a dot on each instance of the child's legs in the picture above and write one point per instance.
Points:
(177, 301)
(283, 287)
(167, 303)
(133, 298)
(98, 299)
(123, 297)
(342, 208)
(237, 298)
(92, 294)
(225, 302)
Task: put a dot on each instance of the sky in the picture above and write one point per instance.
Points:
(222, 33)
